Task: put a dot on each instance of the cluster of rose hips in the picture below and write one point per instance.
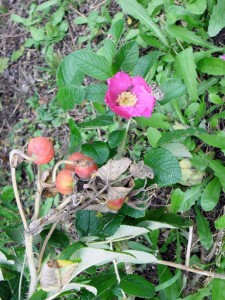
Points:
(41, 150)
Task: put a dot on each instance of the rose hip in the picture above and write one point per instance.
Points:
(65, 182)
(74, 157)
(115, 204)
(41, 150)
(85, 167)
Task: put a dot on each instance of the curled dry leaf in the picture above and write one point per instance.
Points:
(140, 170)
(113, 169)
(115, 192)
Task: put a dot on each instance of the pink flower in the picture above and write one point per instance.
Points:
(223, 57)
(129, 96)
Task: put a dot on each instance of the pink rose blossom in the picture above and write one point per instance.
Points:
(129, 96)
(223, 57)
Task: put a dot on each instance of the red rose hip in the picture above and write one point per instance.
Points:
(115, 204)
(85, 167)
(74, 157)
(65, 182)
(41, 150)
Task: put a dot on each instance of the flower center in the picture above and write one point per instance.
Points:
(126, 99)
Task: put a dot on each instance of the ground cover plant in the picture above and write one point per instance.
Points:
(115, 188)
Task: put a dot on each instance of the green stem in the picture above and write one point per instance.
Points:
(122, 145)
(178, 112)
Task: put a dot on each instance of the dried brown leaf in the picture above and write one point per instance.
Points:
(140, 170)
(118, 192)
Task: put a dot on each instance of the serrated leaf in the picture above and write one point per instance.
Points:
(132, 212)
(99, 151)
(212, 66)
(126, 57)
(113, 169)
(68, 72)
(38, 34)
(100, 121)
(217, 19)
(116, 30)
(92, 64)
(136, 285)
(96, 92)
(173, 89)
(184, 35)
(153, 136)
(87, 223)
(75, 136)
(109, 224)
(165, 166)
(186, 68)
(109, 50)
(116, 137)
(178, 134)
(57, 239)
(145, 63)
(136, 10)
(210, 195)
(203, 229)
(69, 95)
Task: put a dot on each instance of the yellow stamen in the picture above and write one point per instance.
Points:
(126, 99)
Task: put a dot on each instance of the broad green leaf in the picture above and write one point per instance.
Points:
(87, 222)
(7, 194)
(109, 50)
(38, 34)
(92, 64)
(178, 134)
(191, 196)
(126, 232)
(69, 95)
(132, 212)
(206, 84)
(109, 224)
(75, 136)
(186, 68)
(126, 57)
(39, 295)
(217, 19)
(178, 150)
(210, 195)
(58, 15)
(16, 234)
(220, 222)
(103, 282)
(203, 229)
(100, 121)
(218, 291)
(5, 290)
(99, 151)
(157, 120)
(196, 6)
(70, 250)
(165, 166)
(177, 198)
(217, 167)
(212, 66)
(136, 285)
(96, 92)
(116, 30)
(215, 140)
(184, 35)
(173, 89)
(116, 137)
(68, 72)
(153, 136)
(58, 238)
(145, 63)
(169, 282)
(136, 10)
(175, 13)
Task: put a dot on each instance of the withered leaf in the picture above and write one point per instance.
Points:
(113, 169)
(118, 192)
(140, 170)
(50, 278)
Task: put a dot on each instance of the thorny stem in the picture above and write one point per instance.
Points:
(122, 145)
(117, 272)
(44, 246)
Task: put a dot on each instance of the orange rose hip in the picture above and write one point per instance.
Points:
(65, 182)
(41, 149)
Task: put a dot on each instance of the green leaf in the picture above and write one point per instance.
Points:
(184, 35)
(116, 30)
(68, 72)
(99, 151)
(69, 95)
(96, 92)
(210, 195)
(175, 13)
(47, 4)
(200, 295)
(196, 6)
(186, 68)
(17, 54)
(92, 64)
(39, 295)
(100, 121)
(220, 222)
(216, 140)
(126, 57)
(3, 64)
(217, 19)
(109, 224)
(16, 234)
(178, 134)
(212, 66)
(157, 120)
(145, 63)
(7, 194)
(104, 282)
(172, 291)
(165, 166)
(203, 229)
(109, 50)
(5, 290)
(168, 283)
(75, 136)
(153, 136)
(115, 138)
(58, 238)
(177, 198)
(70, 250)
(87, 223)
(136, 10)
(132, 212)
(173, 89)
(218, 291)
(138, 286)
(38, 34)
